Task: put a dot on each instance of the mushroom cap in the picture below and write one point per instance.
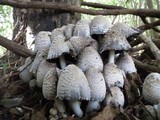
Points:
(97, 84)
(82, 29)
(99, 25)
(114, 97)
(114, 40)
(25, 74)
(126, 63)
(58, 47)
(151, 88)
(42, 41)
(49, 84)
(77, 44)
(113, 75)
(95, 45)
(56, 32)
(157, 108)
(125, 29)
(42, 70)
(68, 32)
(73, 84)
(89, 57)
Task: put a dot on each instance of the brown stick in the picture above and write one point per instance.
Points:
(70, 8)
(10, 76)
(140, 47)
(98, 5)
(17, 49)
(145, 66)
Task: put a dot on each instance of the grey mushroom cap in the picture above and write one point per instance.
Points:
(97, 84)
(82, 29)
(99, 25)
(68, 32)
(57, 32)
(157, 108)
(42, 70)
(125, 29)
(114, 97)
(25, 73)
(77, 44)
(49, 84)
(42, 41)
(114, 40)
(151, 88)
(126, 63)
(72, 84)
(113, 75)
(89, 57)
(58, 47)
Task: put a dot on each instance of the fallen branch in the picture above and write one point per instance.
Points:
(14, 47)
(98, 5)
(145, 66)
(70, 8)
(139, 47)
(10, 76)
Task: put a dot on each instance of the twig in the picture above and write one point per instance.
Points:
(145, 66)
(71, 8)
(139, 47)
(10, 76)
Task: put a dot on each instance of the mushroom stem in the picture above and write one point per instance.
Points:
(60, 105)
(111, 56)
(62, 62)
(75, 106)
(92, 105)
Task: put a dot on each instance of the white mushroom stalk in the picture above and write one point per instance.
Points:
(111, 56)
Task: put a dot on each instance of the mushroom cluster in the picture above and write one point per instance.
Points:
(69, 66)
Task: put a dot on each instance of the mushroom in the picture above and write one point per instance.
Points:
(73, 86)
(151, 88)
(99, 25)
(58, 47)
(125, 29)
(42, 70)
(42, 41)
(113, 40)
(113, 76)
(25, 74)
(157, 108)
(77, 44)
(114, 97)
(89, 57)
(68, 32)
(82, 29)
(126, 63)
(33, 83)
(98, 88)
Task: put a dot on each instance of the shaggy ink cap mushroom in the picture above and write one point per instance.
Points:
(68, 32)
(42, 70)
(98, 88)
(89, 57)
(99, 25)
(114, 97)
(82, 29)
(77, 44)
(125, 29)
(126, 63)
(113, 75)
(73, 86)
(151, 88)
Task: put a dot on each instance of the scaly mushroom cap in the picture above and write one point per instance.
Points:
(57, 32)
(99, 25)
(97, 84)
(113, 76)
(151, 88)
(82, 29)
(126, 63)
(25, 73)
(95, 45)
(49, 84)
(114, 40)
(42, 41)
(72, 84)
(58, 47)
(89, 57)
(125, 29)
(77, 44)
(42, 70)
(68, 32)
(114, 97)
